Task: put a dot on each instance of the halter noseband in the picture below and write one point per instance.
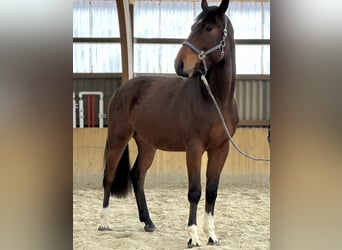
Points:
(202, 54)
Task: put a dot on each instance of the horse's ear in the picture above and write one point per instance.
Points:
(223, 7)
(204, 4)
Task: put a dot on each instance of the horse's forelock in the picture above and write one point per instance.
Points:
(207, 15)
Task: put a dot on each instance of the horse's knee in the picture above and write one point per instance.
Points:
(194, 195)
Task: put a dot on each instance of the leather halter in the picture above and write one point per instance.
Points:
(202, 54)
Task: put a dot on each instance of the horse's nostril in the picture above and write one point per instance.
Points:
(180, 69)
(179, 66)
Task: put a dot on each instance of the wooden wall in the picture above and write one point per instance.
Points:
(169, 167)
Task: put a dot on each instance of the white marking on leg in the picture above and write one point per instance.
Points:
(209, 227)
(104, 216)
(193, 235)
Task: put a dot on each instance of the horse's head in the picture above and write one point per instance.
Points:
(206, 43)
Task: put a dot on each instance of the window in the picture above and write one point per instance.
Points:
(166, 20)
(96, 19)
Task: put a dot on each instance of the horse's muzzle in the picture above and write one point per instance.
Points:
(179, 67)
(186, 62)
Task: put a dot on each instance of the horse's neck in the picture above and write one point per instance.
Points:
(222, 82)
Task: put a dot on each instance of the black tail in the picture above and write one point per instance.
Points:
(121, 186)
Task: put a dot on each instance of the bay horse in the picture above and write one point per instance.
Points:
(177, 114)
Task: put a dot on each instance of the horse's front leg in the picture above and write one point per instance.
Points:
(193, 159)
(216, 159)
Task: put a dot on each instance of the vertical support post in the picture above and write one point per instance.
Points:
(125, 39)
(93, 110)
(88, 111)
(101, 112)
(73, 110)
(81, 112)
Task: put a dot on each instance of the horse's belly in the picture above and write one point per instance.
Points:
(164, 141)
(163, 134)
(174, 148)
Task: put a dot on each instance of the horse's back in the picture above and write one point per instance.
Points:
(140, 89)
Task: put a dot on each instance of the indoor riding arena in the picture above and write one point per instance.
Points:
(114, 41)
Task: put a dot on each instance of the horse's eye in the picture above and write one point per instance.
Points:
(208, 28)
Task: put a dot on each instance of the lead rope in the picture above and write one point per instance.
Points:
(204, 80)
(201, 55)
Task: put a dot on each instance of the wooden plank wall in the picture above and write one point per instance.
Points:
(169, 167)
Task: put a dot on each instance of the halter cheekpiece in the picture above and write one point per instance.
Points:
(202, 54)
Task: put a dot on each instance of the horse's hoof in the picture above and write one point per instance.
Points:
(212, 242)
(149, 228)
(190, 245)
(104, 228)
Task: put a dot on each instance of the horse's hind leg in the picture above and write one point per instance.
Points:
(115, 182)
(143, 162)
(216, 159)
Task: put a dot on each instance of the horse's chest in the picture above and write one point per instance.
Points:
(216, 132)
